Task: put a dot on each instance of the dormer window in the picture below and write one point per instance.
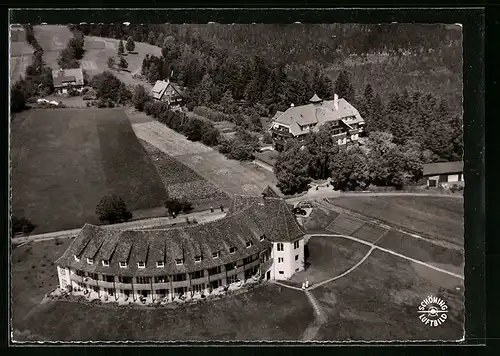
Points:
(105, 263)
(77, 259)
(160, 264)
(232, 249)
(215, 255)
(123, 264)
(141, 265)
(90, 261)
(197, 259)
(179, 261)
(262, 237)
(249, 244)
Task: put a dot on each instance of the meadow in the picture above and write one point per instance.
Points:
(21, 54)
(53, 39)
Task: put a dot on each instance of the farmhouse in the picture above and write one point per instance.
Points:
(67, 79)
(168, 92)
(297, 121)
(259, 238)
(444, 174)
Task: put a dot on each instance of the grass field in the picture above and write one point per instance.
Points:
(319, 219)
(433, 217)
(53, 39)
(379, 300)
(229, 176)
(99, 49)
(21, 54)
(33, 275)
(65, 160)
(264, 313)
(329, 257)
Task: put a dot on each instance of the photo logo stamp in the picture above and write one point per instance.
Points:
(433, 311)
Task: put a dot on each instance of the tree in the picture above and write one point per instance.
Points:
(151, 38)
(193, 129)
(140, 97)
(267, 138)
(349, 169)
(210, 136)
(174, 206)
(121, 50)
(111, 62)
(227, 100)
(291, 169)
(344, 88)
(204, 91)
(108, 87)
(130, 45)
(17, 99)
(21, 224)
(113, 209)
(123, 63)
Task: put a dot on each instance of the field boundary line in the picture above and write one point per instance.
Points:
(428, 265)
(383, 224)
(380, 237)
(330, 224)
(286, 285)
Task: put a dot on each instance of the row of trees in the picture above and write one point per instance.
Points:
(37, 79)
(380, 162)
(74, 51)
(241, 147)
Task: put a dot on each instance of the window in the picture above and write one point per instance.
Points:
(160, 264)
(215, 270)
(108, 278)
(123, 264)
(143, 280)
(179, 261)
(262, 237)
(296, 269)
(280, 247)
(232, 250)
(105, 263)
(197, 274)
(281, 272)
(296, 244)
(197, 259)
(77, 259)
(90, 261)
(141, 265)
(215, 255)
(161, 279)
(296, 257)
(230, 266)
(179, 277)
(127, 280)
(280, 259)
(80, 273)
(232, 279)
(249, 244)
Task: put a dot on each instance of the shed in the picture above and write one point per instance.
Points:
(443, 173)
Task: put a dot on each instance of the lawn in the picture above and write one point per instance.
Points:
(264, 313)
(230, 176)
(65, 160)
(446, 258)
(33, 275)
(329, 257)
(53, 39)
(439, 218)
(378, 301)
(99, 49)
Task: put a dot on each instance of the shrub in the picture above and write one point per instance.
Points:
(21, 224)
(175, 206)
(267, 138)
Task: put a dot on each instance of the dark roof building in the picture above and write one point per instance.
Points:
(433, 169)
(67, 77)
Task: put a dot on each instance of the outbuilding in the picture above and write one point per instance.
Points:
(444, 174)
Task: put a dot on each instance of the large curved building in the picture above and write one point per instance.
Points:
(259, 237)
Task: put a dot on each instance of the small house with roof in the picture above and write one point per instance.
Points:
(297, 121)
(166, 91)
(67, 79)
(444, 174)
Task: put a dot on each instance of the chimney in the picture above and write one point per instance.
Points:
(291, 105)
(335, 101)
(262, 201)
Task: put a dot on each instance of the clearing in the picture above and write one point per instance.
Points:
(433, 217)
(99, 49)
(65, 160)
(229, 176)
(53, 39)
(21, 54)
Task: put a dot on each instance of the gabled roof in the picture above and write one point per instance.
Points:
(432, 169)
(161, 87)
(317, 114)
(63, 77)
(250, 218)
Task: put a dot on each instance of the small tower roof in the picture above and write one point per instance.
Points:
(315, 99)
